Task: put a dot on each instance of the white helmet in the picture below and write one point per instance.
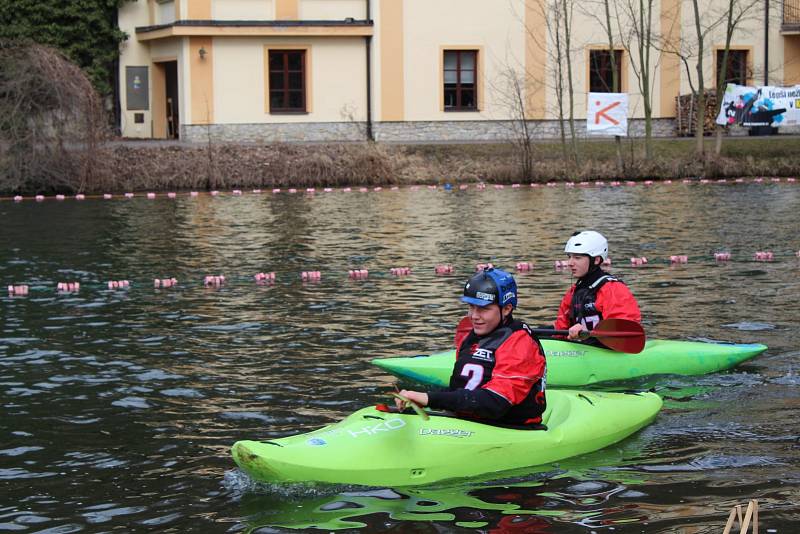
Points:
(588, 242)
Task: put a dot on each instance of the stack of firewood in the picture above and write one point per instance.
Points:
(686, 117)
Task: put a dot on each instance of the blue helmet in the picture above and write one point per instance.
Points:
(491, 286)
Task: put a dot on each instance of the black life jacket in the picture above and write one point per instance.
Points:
(475, 363)
(583, 307)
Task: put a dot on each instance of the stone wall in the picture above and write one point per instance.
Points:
(398, 132)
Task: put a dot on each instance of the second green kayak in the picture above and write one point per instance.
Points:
(574, 364)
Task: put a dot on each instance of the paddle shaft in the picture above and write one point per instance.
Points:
(584, 333)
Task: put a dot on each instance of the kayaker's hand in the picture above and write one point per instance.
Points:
(420, 398)
(575, 331)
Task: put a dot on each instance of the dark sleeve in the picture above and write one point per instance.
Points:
(482, 403)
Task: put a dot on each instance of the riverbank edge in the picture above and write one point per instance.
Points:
(137, 166)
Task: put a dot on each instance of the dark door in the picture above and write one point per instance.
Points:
(173, 117)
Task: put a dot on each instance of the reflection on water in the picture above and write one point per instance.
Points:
(119, 407)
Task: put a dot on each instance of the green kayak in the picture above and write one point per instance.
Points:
(574, 364)
(376, 448)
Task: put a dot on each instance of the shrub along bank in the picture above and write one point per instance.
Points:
(156, 166)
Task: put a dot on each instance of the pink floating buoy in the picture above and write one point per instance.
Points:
(39, 198)
(414, 188)
(213, 280)
(758, 180)
(569, 184)
(17, 198)
(524, 266)
(775, 180)
(107, 196)
(214, 193)
(722, 181)
(763, 256)
(119, 284)
(236, 192)
(276, 190)
(400, 271)
(151, 195)
(292, 190)
(599, 183)
(328, 190)
(80, 196)
(129, 195)
(193, 193)
(584, 184)
(667, 181)
(357, 274)
(722, 256)
(480, 187)
(561, 264)
(679, 259)
(311, 190)
(256, 191)
(792, 180)
(630, 182)
(347, 189)
(431, 187)
(739, 180)
(704, 180)
(639, 261)
(172, 194)
(68, 287)
(615, 183)
(515, 186)
(534, 185)
(378, 188)
(311, 276)
(363, 190)
(686, 181)
(648, 182)
(264, 278)
(463, 186)
(394, 188)
(60, 197)
(444, 269)
(165, 282)
(483, 266)
(18, 290)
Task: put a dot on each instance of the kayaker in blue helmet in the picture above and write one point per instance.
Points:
(500, 365)
(596, 295)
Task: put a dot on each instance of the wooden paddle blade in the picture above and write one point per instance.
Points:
(464, 328)
(622, 335)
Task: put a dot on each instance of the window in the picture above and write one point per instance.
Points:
(460, 75)
(737, 67)
(287, 81)
(601, 79)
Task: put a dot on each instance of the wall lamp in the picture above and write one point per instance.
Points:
(202, 52)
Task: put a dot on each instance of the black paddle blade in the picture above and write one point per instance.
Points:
(622, 335)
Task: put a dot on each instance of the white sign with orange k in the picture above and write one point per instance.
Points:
(607, 114)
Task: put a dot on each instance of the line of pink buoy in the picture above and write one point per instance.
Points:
(446, 187)
(444, 269)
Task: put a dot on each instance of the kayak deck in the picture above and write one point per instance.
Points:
(574, 364)
(377, 448)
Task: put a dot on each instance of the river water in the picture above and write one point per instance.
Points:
(119, 407)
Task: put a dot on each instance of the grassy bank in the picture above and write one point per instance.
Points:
(156, 166)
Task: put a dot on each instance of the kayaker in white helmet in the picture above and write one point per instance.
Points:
(499, 370)
(596, 295)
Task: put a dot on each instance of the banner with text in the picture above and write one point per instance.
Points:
(607, 114)
(760, 106)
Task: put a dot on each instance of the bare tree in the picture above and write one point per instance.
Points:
(513, 94)
(639, 40)
(737, 12)
(51, 121)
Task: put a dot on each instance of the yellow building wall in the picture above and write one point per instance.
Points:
(336, 80)
(332, 10)
(493, 28)
(133, 53)
(243, 10)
